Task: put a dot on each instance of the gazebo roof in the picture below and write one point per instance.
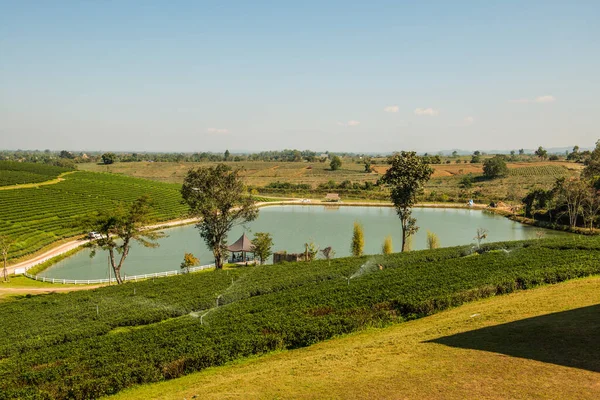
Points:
(242, 244)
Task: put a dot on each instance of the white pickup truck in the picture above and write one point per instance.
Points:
(94, 235)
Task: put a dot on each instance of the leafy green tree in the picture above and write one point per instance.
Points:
(358, 240)
(336, 163)
(217, 196)
(592, 164)
(262, 243)
(226, 155)
(189, 260)
(475, 158)
(119, 228)
(108, 158)
(466, 182)
(405, 178)
(5, 245)
(387, 247)
(521, 152)
(66, 154)
(541, 153)
(495, 167)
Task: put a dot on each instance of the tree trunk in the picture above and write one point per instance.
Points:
(116, 268)
(218, 258)
(403, 237)
(4, 270)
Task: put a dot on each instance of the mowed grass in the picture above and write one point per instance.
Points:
(540, 343)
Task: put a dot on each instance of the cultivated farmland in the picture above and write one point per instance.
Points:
(16, 173)
(37, 217)
(87, 344)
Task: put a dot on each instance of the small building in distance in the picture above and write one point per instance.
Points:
(333, 197)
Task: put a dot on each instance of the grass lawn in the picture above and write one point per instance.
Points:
(21, 285)
(539, 343)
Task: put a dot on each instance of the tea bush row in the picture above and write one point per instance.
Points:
(14, 173)
(36, 217)
(265, 308)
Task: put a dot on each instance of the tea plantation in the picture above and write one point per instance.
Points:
(84, 345)
(15, 173)
(36, 217)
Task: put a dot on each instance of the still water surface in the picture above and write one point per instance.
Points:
(292, 226)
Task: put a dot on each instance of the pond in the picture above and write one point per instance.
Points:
(292, 226)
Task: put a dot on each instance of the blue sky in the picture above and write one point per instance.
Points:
(325, 75)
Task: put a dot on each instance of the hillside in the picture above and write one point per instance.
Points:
(541, 343)
(16, 173)
(36, 217)
(86, 344)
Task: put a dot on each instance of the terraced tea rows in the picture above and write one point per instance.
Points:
(36, 217)
(15, 173)
(88, 344)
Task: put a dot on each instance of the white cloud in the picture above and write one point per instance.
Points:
(217, 130)
(545, 99)
(539, 99)
(392, 109)
(427, 111)
(349, 123)
(469, 120)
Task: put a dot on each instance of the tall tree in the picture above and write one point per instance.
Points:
(591, 206)
(405, 178)
(226, 155)
(541, 153)
(217, 196)
(358, 240)
(592, 164)
(119, 228)
(5, 244)
(572, 194)
(262, 243)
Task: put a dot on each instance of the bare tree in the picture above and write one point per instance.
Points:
(328, 253)
(572, 194)
(481, 235)
(591, 207)
(5, 244)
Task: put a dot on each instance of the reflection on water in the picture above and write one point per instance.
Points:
(292, 226)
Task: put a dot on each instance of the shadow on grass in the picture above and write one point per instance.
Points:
(568, 338)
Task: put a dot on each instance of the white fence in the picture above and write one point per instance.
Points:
(110, 280)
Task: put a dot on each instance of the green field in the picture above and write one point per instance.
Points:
(535, 344)
(16, 173)
(88, 344)
(37, 217)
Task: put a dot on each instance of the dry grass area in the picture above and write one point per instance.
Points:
(541, 343)
(444, 185)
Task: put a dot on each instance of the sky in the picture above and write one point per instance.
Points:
(368, 76)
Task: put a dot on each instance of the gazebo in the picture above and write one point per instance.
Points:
(242, 246)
